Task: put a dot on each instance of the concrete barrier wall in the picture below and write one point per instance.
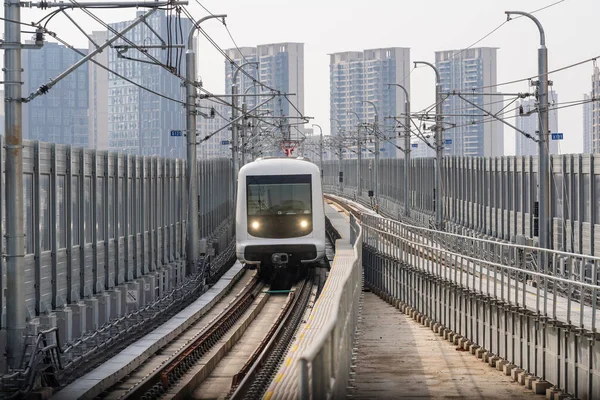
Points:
(325, 357)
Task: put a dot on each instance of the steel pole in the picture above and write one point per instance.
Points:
(439, 217)
(192, 163)
(544, 225)
(234, 135)
(321, 154)
(407, 157)
(437, 196)
(320, 148)
(191, 93)
(359, 159)
(15, 238)
(244, 122)
(234, 145)
(375, 131)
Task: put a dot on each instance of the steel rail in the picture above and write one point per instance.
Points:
(255, 376)
(158, 382)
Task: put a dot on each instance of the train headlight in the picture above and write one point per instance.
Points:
(255, 225)
(304, 223)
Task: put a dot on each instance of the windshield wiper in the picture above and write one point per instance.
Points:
(264, 207)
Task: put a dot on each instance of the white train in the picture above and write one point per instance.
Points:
(280, 221)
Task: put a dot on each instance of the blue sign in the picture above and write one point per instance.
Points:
(414, 145)
(176, 133)
(364, 150)
(448, 141)
(557, 136)
(382, 149)
(224, 142)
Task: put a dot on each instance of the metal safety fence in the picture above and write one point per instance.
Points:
(105, 233)
(326, 360)
(495, 197)
(532, 309)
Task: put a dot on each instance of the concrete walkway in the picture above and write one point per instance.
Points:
(401, 359)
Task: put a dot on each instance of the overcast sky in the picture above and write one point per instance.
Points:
(425, 26)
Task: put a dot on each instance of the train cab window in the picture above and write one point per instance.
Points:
(279, 205)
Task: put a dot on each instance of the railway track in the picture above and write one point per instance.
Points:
(183, 368)
(255, 377)
(138, 381)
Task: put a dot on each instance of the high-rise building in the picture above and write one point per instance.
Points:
(587, 124)
(140, 122)
(527, 120)
(246, 76)
(595, 116)
(60, 116)
(98, 103)
(360, 76)
(464, 133)
(281, 67)
(419, 149)
(218, 144)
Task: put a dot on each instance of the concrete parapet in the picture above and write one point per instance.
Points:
(552, 393)
(116, 308)
(493, 360)
(479, 352)
(508, 368)
(500, 364)
(103, 308)
(522, 376)
(457, 338)
(529, 381)
(485, 357)
(91, 313)
(514, 374)
(79, 317)
(64, 321)
(48, 321)
(540, 386)
(473, 349)
(149, 285)
(133, 296)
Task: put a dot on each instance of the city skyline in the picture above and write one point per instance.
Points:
(140, 122)
(466, 71)
(517, 40)
(359, 78)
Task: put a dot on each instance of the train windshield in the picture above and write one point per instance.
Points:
(279, 195)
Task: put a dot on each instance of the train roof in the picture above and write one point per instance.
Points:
(280, 165)
(283, 158)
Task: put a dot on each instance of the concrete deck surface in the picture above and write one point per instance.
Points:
(401, 359)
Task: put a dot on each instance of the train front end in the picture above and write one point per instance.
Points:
(280, 221)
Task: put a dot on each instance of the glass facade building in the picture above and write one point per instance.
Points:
(358, 76)
(61, 115)
(281, 66)
(140, 122)
(464, 131)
